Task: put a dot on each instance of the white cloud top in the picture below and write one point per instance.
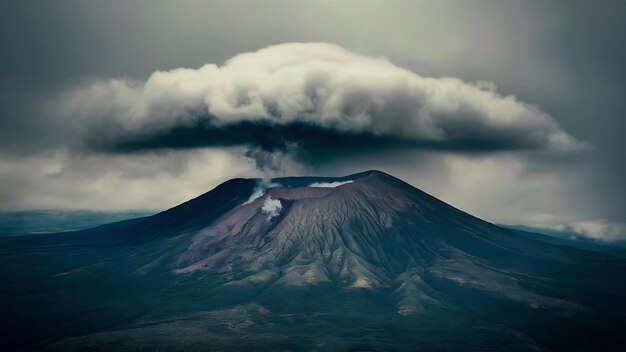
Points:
(326, 86)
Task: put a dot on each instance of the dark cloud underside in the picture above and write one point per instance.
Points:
(307, 142)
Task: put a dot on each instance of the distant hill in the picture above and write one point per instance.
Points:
(50, 221)
(569, 239)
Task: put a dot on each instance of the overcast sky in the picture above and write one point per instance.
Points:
(512, 111)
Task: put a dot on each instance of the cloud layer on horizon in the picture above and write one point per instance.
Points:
(304, 99)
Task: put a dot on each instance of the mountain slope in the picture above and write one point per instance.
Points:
(360, 262)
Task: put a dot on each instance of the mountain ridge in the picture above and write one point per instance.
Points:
(361, 261)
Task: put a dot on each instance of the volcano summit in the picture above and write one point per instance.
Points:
(362, 262)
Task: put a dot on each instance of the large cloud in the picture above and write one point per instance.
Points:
(307, 99)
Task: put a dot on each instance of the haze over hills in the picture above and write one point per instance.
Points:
(49, 221)
(362, 262)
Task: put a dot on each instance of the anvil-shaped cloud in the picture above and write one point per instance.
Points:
(304, 99)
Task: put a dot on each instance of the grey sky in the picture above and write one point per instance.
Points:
(565, 57)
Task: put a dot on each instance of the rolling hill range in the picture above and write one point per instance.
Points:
(364, 262)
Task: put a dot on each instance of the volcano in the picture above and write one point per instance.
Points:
(364, 262)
